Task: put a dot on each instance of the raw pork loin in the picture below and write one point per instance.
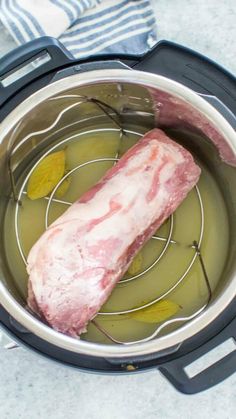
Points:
(78, 260)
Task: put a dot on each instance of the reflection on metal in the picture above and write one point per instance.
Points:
(12, 182)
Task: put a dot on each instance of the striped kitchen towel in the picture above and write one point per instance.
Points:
(85, 27)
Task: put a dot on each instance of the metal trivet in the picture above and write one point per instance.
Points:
(114, 116)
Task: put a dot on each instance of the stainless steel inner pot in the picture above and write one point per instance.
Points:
(141, 99)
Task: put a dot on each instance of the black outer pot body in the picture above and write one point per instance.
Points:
(203, 76)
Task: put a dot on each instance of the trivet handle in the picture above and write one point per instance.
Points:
(175, 371)
(55, 56)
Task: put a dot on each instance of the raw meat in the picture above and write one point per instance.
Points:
(76, 263)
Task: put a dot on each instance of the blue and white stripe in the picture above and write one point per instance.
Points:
(85, 27)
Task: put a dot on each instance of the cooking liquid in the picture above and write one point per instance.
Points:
(190, 295)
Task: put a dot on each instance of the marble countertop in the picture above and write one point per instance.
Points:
(32, 387)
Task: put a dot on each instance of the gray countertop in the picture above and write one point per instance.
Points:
(32, 387)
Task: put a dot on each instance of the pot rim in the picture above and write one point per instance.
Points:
(187, 330)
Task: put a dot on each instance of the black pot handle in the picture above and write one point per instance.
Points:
(215, 84)
(192, 70)
(55, 56)
(175, 372)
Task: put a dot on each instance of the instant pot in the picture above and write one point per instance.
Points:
(171, 87)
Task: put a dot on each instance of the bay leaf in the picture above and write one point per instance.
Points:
(46, 175)
(63, 188)
(136, 264)
(156, 313)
